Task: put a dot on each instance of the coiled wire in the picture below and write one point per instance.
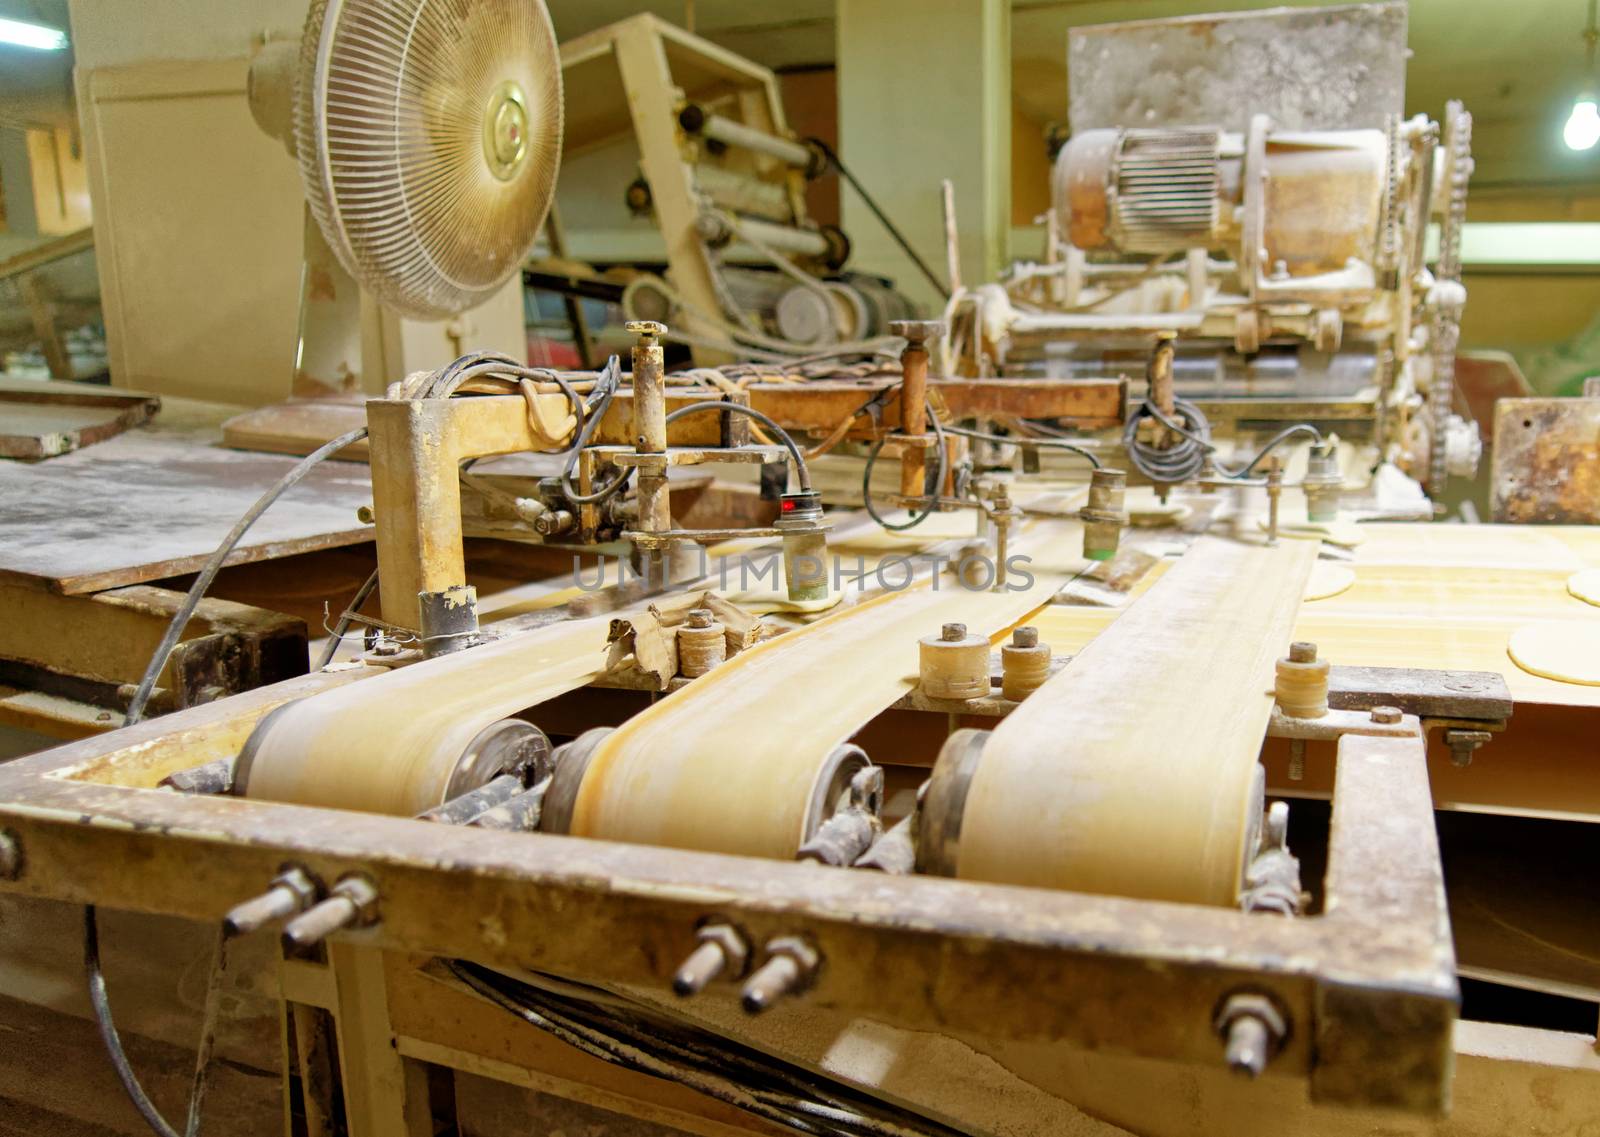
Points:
(1184, 460)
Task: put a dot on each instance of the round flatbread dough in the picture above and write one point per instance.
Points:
(1346, 534)
(1585, 585)
(1154, 515)
(1567, 652)
(1328, 580)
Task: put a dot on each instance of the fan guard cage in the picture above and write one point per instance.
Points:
(429, 136)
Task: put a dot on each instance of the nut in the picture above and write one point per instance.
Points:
(1386, 715)
(1253, 1026)
(953, 633)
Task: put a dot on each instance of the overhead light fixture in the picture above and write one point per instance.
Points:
(1583, 124)
(20, 33)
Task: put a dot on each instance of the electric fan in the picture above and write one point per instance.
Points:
(428, 135)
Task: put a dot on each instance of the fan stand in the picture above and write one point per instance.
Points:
(326, 394)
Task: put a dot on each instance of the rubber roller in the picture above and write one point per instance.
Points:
(714, 801)
(943, 811)
(407, 741)
(365, 782)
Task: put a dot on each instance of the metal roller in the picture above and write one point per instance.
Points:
(406, 742)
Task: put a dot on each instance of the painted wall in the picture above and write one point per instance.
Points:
(924, 95)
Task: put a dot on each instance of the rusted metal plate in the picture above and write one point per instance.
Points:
(1546, 465)
(820, 405)
(1309, 68)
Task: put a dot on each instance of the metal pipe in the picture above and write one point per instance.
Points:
(650, 423)
(914, 400)
(716, 230)
(696, 120)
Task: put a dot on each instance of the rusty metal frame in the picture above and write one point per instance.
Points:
(1369, 987)
(415, 448)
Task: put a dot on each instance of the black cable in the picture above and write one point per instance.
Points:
(640, 1039)
(610, 380)
(208, 573)
(596, 1049)
(1277, 440)
(801, 469)
(1180, 462)
(1184, 460)
(101, 1006)
(883, 219)
(932, 501)
(343, 626)
(1023, 440)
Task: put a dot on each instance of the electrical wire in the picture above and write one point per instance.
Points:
(801, 469)
(101, 1006)
(180, 619)
(336, 637)
(610, 380)
(1184, 460)
(638, 1037)
(932, 501)
(1024, 440)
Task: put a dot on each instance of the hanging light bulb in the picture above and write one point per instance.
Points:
(1583, 124)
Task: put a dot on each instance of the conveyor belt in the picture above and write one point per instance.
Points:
(391, 744)
(1131, 771)
(731, 763)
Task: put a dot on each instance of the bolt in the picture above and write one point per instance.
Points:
(1025, 636)
(791, 965)
(1248, 1043)
(1253, 1029)
(916, 333)
(700, 617)
(1302, 652)
(722, 948)
(10, 855)
(353, 902)
(1386, 715)
(292, 891)
(1464, 744)
(365, 514)
(953, 633)
(646, 330)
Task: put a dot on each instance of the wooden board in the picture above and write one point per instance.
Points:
(157, 501)
(45, 419)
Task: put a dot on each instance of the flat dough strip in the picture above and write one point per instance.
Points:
(1565, 652)
(1131, 772)
(389, 744)
(728, 764)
